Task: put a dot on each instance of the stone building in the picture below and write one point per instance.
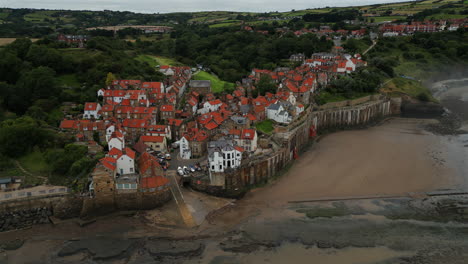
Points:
(200, 86)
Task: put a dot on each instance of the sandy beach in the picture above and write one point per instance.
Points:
(395, 158)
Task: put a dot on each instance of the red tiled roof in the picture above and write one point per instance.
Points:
(248, 133)
(153, 182)
(152, 85)
(210, 126)
(175, 122)
(235, 132)
(115, 152)
(67, 124)
(215, 102)
(167, 108)
(90, 106)
(152, 138)
(251, 117)
(107, 108)
(239, 149)
(147, 161)
(108, 162)
(134, 123)
(129, 152)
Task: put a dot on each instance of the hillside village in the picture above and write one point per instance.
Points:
(148, 128)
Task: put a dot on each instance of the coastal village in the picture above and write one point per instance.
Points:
(151, 128)
(307, 134)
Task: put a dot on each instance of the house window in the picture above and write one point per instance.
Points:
(126, 186)
(212, 167)
(131, 169)
(238, 154)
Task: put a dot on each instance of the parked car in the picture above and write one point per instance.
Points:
(180, 171)
(192, 168)
(186, 170)
(168, 156)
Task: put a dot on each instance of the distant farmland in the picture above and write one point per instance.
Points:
(6, 41)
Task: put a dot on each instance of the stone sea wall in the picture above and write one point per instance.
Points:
(125, 201)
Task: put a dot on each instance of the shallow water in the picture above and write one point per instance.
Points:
(298, 253)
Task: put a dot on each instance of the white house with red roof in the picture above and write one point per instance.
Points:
(92, 110)
(156, 143)
(126, 162)
(116, 140)
(210, 106)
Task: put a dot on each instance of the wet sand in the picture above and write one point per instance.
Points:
(395, 158)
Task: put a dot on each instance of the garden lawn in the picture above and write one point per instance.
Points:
(265, 126)
(217, 85)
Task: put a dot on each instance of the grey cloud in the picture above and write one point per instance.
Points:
(155, 6)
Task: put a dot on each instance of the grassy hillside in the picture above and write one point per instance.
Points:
(419, 58)
(217, 85)
(154, 61)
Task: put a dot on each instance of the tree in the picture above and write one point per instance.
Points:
(19, 136)
(265, 85)
(110, 78)
(38, 83)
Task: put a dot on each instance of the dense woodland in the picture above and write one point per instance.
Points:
(233, 54)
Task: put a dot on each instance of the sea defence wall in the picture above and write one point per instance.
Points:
(295, 137)
(136, 200)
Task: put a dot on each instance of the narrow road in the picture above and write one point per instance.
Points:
(367, 50)
(179, 199)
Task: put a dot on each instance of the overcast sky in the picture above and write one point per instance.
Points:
(165, 6)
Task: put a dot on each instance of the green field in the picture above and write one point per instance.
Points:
(217, 85)
(387, 18)
(154, 61)
(265, 126)
(227, 24)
